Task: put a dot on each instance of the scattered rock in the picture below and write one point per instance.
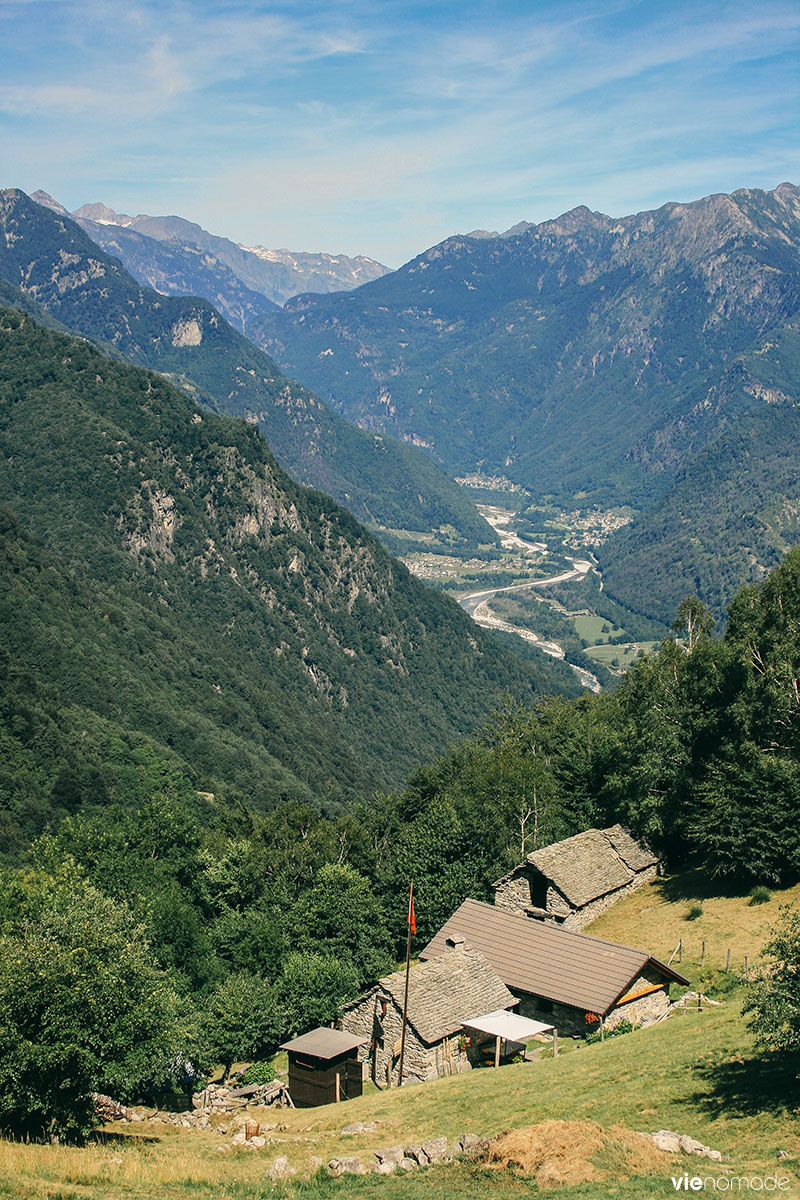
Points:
(385, 1168)
(418, 1154)
(392, 1154)
(665, 1140)
(409, 1164)
(314, 1164)
(673, 1143)
(280, 1169)
(239, 1138)
(472, 1146)
(783, 1154)
(257, 1141)
(435, 1149)
(347, 1166)
(359, 1127)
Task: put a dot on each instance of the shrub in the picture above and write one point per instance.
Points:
(760, 895)
(695, 911)
(83, 1007)
(257, 1072)
(240, 1020)
(621, 1027)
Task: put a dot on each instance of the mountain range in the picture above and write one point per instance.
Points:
(169, 252)
(381, 480)
(599, 360)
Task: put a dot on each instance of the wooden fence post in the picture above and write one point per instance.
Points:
(680, 950)
(728, 963)
(746, 967)
(555, 1042)
(703, 955)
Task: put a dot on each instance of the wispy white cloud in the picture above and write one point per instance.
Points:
(386, 124)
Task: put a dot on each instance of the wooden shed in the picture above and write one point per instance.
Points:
(324, 1067)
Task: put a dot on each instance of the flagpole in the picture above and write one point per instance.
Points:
(408, 970)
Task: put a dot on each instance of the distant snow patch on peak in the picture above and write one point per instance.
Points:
(101, 214)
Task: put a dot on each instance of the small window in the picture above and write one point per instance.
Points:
(538, 891)
(545, 1006)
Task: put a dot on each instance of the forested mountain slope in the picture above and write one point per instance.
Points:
(565, 355)
(597, 358)
(381, 480)
(178, 615)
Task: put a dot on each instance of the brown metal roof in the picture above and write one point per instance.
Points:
(324, 1043)
(547, 961)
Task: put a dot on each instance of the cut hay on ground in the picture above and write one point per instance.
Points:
(572, 1152)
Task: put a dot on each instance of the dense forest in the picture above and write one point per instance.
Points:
(177, 615)
(261, 924)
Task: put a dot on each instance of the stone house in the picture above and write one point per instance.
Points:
(567, 979)
(448, 988)
(572, 882)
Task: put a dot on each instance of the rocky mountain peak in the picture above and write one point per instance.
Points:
(47, 201)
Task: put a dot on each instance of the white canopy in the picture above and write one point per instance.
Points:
(507, 1025)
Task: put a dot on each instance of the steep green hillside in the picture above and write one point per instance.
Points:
(178, 615)
(381, 480)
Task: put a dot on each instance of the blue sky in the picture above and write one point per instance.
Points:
(361, 126)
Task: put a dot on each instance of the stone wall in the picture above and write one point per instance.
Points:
(421, 1061)
(643, 1010)
(515, 892)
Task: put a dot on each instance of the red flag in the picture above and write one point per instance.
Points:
(411, 920)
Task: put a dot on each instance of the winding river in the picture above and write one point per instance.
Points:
(476, 604)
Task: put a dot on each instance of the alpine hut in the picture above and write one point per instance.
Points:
(572, 981)
(453, 985)
(324, 1067)
(572, 882)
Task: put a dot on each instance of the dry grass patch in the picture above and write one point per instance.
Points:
(556, 1153)
(654, 918)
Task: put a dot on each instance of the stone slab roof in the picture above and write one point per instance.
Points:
(592, 864)
(547, 960)
(444, 991)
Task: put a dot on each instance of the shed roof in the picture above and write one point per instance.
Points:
(324, 1043)
(508, 1025)
(547, 960)
(592, 863)
(455, 983)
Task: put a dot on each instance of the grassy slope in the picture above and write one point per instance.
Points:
(655, 919)
(695, 1074)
